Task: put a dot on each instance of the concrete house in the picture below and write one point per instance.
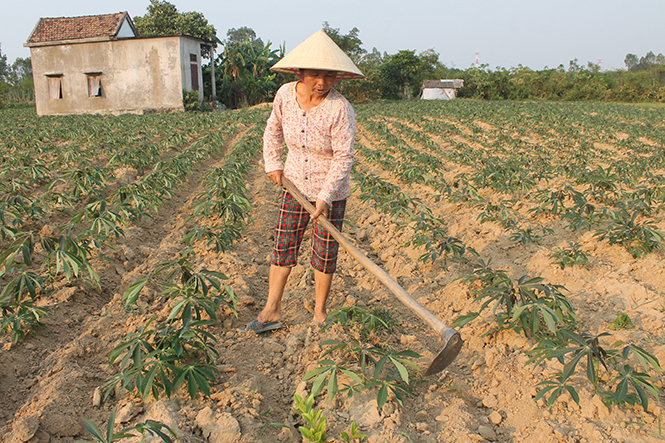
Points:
(441, 89)
(99, 64)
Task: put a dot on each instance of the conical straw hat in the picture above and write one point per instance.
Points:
(318, 52)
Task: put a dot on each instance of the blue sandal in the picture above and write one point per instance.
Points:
(259, 327)
(322, 325)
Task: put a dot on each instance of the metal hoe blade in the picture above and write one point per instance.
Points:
(451, 347)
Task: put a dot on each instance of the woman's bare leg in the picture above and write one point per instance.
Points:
(276, 284)
(322, 284)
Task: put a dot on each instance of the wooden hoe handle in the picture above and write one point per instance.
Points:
(372, 267)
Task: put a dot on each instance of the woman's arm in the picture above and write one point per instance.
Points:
(273, 136)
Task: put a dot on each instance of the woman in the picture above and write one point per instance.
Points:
(318, 126)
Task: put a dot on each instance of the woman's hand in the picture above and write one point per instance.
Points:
(321, 208)
(276, 177)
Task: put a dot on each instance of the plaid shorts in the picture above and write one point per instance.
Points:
(291, 225)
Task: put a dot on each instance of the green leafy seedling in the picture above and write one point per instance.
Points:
(556, 388)
(353, 435)
(642, 384)
(150, 427)
(568, 257)
(316, 430)
(621, 322)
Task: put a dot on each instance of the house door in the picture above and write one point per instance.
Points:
(195, 72)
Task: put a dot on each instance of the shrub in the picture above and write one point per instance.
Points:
(191, 100)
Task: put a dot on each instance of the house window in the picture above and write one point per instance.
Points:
(194, 67)
(95, 84)
(54, 86)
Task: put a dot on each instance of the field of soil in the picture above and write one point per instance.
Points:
(51, 380)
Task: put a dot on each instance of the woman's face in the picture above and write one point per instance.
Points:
(319, 81)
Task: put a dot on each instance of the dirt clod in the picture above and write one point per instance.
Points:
(487, 433)
(495, 418)
(25, 427)
(62, 425)
(218, 428)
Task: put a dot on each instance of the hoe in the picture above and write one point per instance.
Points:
(452, 342)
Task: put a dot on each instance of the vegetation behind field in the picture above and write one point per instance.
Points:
(400, 76)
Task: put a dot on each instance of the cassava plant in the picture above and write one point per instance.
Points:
(638, 237)
(569, 257)
(315, 430)
(573, 349)
(179, 350)
(149, 427)
(526, 305)
(365, 365)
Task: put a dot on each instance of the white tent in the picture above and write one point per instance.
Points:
(440, 89)
(438, 94)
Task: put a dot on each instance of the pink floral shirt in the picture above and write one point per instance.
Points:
(319, 140)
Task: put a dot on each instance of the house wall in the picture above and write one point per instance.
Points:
(137, 75)
(190, 46)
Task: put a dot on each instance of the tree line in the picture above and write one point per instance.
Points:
(400, 76)
(640, 82)
(243, 76)
(246, 61)
(16, 80)
(242, 64)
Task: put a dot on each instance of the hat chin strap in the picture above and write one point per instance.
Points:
(346, 74)
(297, 73)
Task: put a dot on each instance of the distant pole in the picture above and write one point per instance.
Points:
(600, 64)
(477, 59)
(212, 74)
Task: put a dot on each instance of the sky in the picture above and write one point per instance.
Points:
(508, 33)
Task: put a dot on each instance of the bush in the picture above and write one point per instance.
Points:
(191, 100)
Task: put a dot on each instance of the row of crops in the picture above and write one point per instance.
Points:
(71, 186)
(527, 167)
(576, 166)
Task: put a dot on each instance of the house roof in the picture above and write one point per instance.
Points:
(101, 27)
(455, 83)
